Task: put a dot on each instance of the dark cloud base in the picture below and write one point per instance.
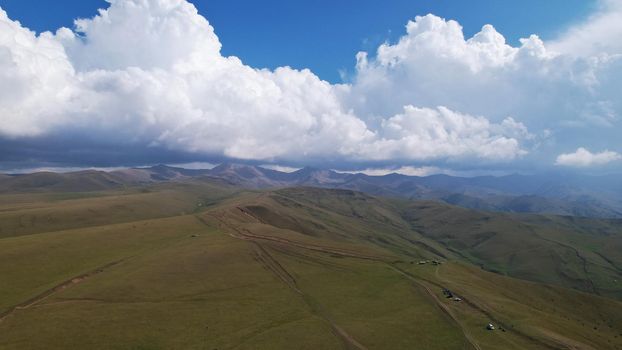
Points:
(74, 152)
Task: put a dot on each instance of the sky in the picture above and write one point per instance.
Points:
(430, 85)
(312, 34)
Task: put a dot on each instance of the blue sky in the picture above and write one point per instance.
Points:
(425, 86)
(324, 35)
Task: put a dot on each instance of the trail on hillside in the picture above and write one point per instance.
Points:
(272, 264)
(467, 334)
(584, 261)
(57, 288)
(267, 260)
(245, 234)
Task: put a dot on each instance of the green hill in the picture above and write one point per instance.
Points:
(201, 265)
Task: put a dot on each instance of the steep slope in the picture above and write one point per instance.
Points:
(571, 252)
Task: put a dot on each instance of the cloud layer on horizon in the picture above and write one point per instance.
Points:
(584, 158)
(434, 97)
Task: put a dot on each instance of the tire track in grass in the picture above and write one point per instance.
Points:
(57, 288)
(467, 335)
(272, 264)
(277, 269)
(253, 237)
(248, 236)
(483, 311)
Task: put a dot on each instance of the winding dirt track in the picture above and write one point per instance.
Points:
(249, 236)
(272, 264)
(57, 288)
(246, 235)
(467, 335)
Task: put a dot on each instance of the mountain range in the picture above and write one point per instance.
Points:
(554, 193)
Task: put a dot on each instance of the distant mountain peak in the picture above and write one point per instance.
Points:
(232, 166)
(160, 166)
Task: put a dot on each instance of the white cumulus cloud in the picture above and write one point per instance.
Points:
(599, 34)
(37, 80)
(149, 73)
(584, 158)
(149, 76)
(425, 133)
(434, 65)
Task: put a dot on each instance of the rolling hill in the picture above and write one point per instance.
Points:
(203, 264)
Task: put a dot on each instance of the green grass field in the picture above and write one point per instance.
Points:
(202, 266)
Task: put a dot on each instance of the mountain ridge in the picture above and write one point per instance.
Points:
(561, 194)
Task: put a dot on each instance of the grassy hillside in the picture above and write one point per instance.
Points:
(45, 212)
(572, 252)
(577, 253)
(49, 181)
(199, 266)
